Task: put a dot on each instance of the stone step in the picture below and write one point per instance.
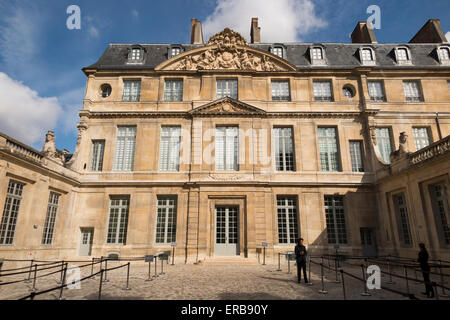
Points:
(227, 261)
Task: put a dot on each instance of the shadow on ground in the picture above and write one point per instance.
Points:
(248, 296)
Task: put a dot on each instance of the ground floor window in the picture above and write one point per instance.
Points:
(10, 212)
(441, 212)
(166, 220)
(118, 220)
(335, 218)
(402, 219)
(50, 219)
(287, 220)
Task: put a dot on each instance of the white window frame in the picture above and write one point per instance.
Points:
(409, 91)
(367, 62)
(399, 57)
(326, 144)
(278, 90)
(356, 155)
(11, 211)
(278, 51)
(227, 137)
(231, 85)
(444, 59)
(173, 51)
(283, 142)
(97, 155)
(377, 98)
(117, 231)
(171, 91)
(337, 233)
(420, 140)
(169, 149)
(320, 90)
(402, 217)
(133, 92)
(384, 143)
(315, 58)
(50, 219)
(125, 149)
(166, 219)
(441, 211)
(287, 213)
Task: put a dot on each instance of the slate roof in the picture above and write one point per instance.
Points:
(338, 55)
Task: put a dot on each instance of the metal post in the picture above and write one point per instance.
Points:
(329, 264)
(62, 284)
(149, 272)
(100, 285)
(128, 277)
(29, 273)
(264, 256)
(343, 284)
(106, 270)
(289, 263)
(406, 278)
(34, 280)
(442, 280)
(156, 266)
(92, 267)
(162, 266)
(1, 265)
(323, 291)
(309, 272)
(415, 274)
(365, 293)
(336, 269)
(62, 273)
(390, 274)
(279, 262)
(173, 256)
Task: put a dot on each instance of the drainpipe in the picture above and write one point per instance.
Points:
(438, 126)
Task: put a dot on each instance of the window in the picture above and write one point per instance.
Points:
(412, 91)
(136, 54)
(278, 51)
(118, 220)
(173, 90)
(366, 55)
(421, 138)
(284, 149)
(106, 90)
(98, 150)
(335, 218)
(281, 91)
(441, 211)
(328, 147)
(376, 91)
(287, 220)
(227, 88)
(356, 156)
(169, 150)
(174, 51)
(126, 141)
(131, 90)
(316, 54)
(402, 55)
(384, 143)
(227, 149)
(166, 220)
(49, 226)
(348, 92)
(322, 91)
(402, 219)
(10, 212)
(444, 54)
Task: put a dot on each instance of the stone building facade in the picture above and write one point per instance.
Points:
(221, 146)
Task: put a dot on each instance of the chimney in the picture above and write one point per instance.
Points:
(431, 32)
(196, 32)
(255, 31)
(363, 33)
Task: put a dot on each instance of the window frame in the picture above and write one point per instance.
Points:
(281, 98)
(130, 57)
(166, 219)
(444, 238)
(165, 167)
(383, 91)
(285, 160)
(173, 80)
(276, 46)
(365, 62)
(440, 55)
(361, 169)
(50, 219)
(338, 153)
(408, 61)
(126, 139)
(170, 54)
(338, 235)
(223, 80)
(401, 220)
(428, 131)
(100, 158)
(391, 142)
(12, 190)
(291, 239)
(120, 213)
(411, 99)
(323, 98)
(315, 61)
(225, 144)
(130, 81)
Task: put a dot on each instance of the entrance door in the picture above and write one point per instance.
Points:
(369, 248)
(87, 237)
(227, 231)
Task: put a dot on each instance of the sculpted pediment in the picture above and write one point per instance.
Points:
(226, 50)
(228, 106)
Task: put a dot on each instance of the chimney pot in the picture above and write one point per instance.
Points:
(255, 31)
(196, 32)
(431, 32)
(363, 33)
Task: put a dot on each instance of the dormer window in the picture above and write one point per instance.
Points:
(444, 55)
(367, 56)
(136, 55)
(174, 51)
(403, 56)
(317, 56)
(278, 51)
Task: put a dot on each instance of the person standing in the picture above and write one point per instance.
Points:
(423, 261)
(300, 256)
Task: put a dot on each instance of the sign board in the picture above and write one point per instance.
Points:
(265, 244)
(164, 255)
(149, 258)
(174, 244)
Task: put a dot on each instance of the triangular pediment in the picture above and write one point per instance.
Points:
(227, 50)
(227, 106)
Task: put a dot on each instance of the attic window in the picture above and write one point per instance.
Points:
(135, 54)
(444, 55)
(317, 56)
(403, 56)
(278, 51)
(174, 51)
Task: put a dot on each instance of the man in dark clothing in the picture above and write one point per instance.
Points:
(423, 261)
(300, 256)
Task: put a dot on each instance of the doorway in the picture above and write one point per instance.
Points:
(226, 231)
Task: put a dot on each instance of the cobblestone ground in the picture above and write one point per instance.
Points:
(207, 282)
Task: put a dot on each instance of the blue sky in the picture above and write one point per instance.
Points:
(41, 82)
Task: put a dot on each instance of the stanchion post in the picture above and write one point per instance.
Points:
(322, 291)
(343, 284)
(173, 256)
(106, 271)
(162, 266)
(29, 273)
(336, 269)
(62, 273)
(365, 293)
(289, 263)
(156, 267)
(309, 272)
(264, 256)
(406, 278)
(442, 280)
(92, 267)
(149, 271)
(390, 274)
(100, 285)
(128, 278)
(34, 280)
(279, 262)
(62, 284)
(1, 265)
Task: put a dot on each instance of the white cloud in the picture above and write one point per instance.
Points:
(25, 115)
(447, 35)
(93, 32)
(135, 14)
(281, 20)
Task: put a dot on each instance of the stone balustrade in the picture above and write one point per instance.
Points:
(438, 148)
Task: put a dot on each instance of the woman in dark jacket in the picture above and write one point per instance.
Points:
(423, 261)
